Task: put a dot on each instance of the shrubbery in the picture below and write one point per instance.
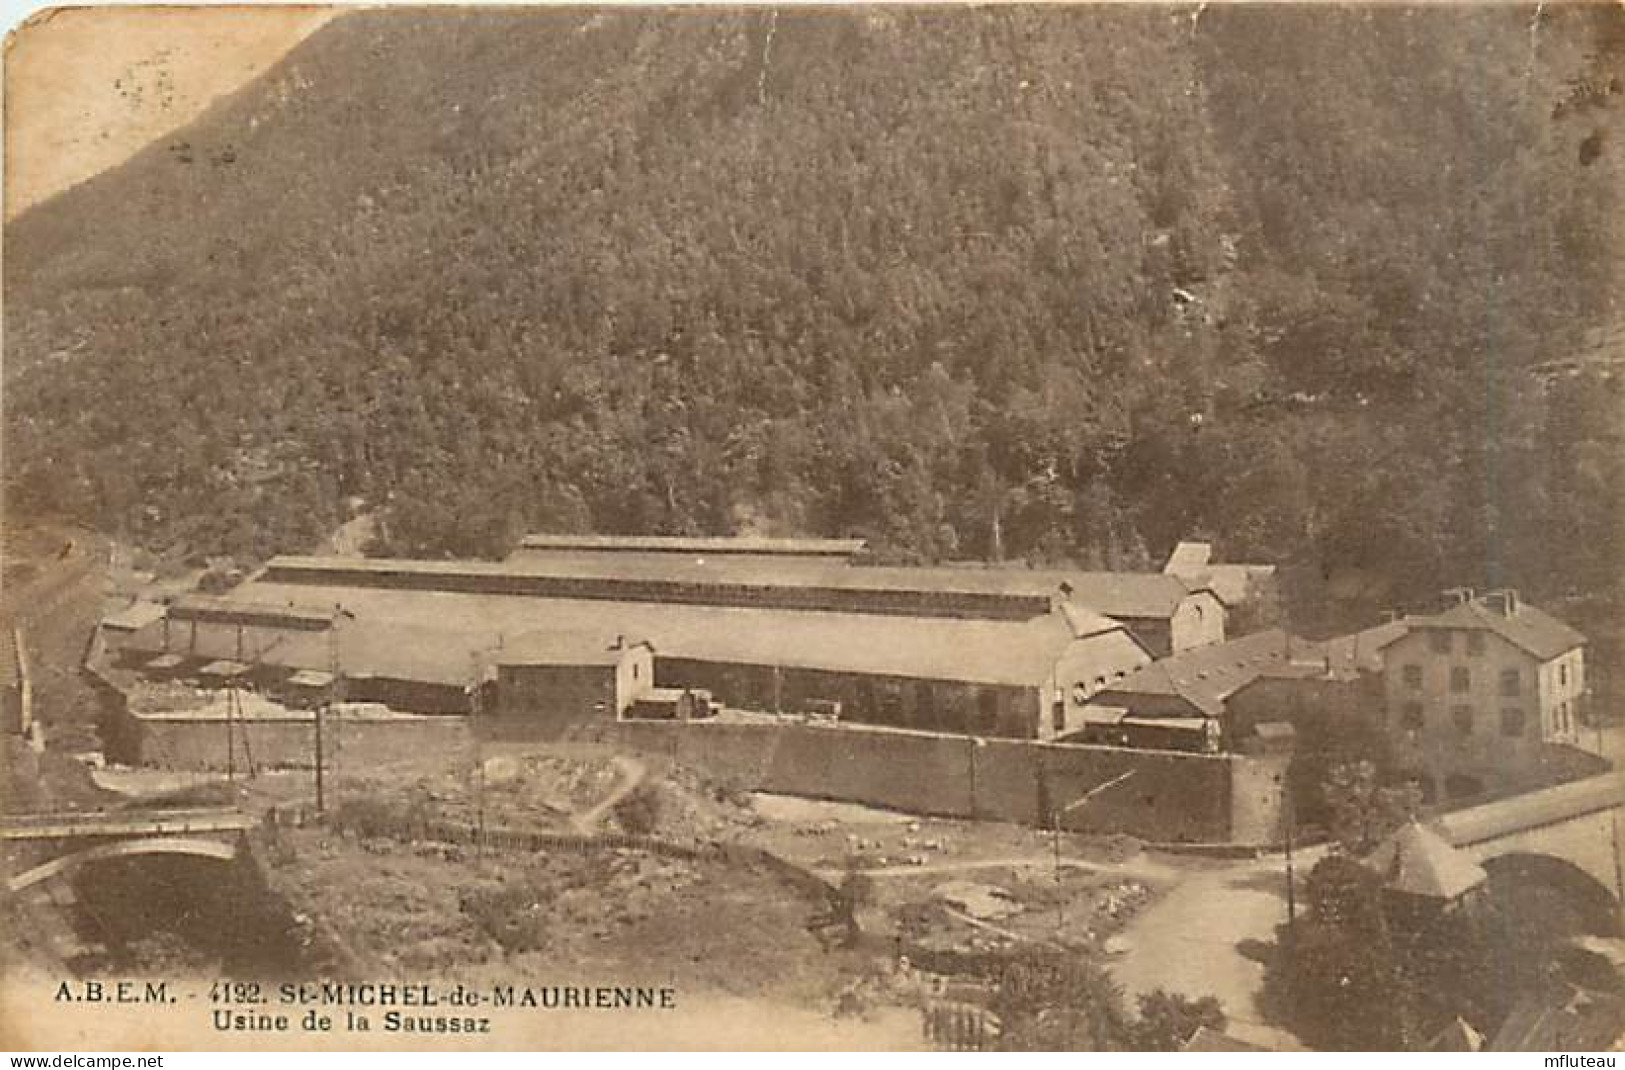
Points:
(511, 914)
(639, 813)
(1167, 1020)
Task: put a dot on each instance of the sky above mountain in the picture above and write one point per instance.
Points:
(87, 87)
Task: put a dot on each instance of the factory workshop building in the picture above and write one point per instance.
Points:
(547, 682)
(979, 651)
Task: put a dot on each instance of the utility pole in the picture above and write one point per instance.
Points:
(1055, 837)
(1619, 865)
(321, 709)
(321, 794)
(1290, 814)
(231, 735)
(1613, 811)
(476, 706)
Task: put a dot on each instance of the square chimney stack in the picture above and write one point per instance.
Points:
(1503, 602)
(1458, 596)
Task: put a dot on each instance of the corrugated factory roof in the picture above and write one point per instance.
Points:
(135, 615)
(379, 649)
(1205, 676)
(994, 652)
(1115, 594)
(1020, 653)
(1342, 658)
(1232, 583)
(200, 607)
(703, 544)
(1085, 621)
(1362, 651)
(1189, 554)
(545, 647)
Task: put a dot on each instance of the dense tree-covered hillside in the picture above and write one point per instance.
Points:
(1011, 282)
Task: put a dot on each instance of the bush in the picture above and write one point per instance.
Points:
(639, 813)
(1168, 1020)
(1051, 1002)
(373, 818)
(367, 818)
(510, 914)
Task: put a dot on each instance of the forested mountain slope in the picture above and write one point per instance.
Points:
(1014, 281)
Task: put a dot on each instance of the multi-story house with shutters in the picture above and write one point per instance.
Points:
(1477, 694)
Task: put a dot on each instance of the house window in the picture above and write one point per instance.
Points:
(1563, 674)
(1461, 680)
(634, 670)
(1410, 715)
(1413, 677)
(1439, 641)
(1511, 682)
(1475, 643)
(1512, 721)
(1462, 718)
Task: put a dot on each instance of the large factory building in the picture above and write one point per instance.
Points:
(775, 626)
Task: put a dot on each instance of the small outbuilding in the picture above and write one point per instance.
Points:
(118, 626)
(549, 682)
(1420, 866)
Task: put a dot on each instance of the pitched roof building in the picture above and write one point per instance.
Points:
(997, 652)
(1416, 861)
(1236, 584)
(1196, 682)
(734, 546)
(1475, 694)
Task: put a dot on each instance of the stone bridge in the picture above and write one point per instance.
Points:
(1568, 837)
(42, 846)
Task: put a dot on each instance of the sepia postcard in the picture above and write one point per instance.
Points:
(1013, 527)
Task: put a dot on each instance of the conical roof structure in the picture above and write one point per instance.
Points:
(1418, 861)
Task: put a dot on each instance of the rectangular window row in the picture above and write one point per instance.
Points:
(1461, 680)
(1413, 717)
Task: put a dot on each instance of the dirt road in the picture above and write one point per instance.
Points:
(632, 773)
(1189, 941)
(57, 604)
(1139, 868)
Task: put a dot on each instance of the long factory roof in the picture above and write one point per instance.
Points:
(1137, 595)
(412, 634)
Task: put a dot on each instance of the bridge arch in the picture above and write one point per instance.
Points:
(1595, 904)
(153, 845)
